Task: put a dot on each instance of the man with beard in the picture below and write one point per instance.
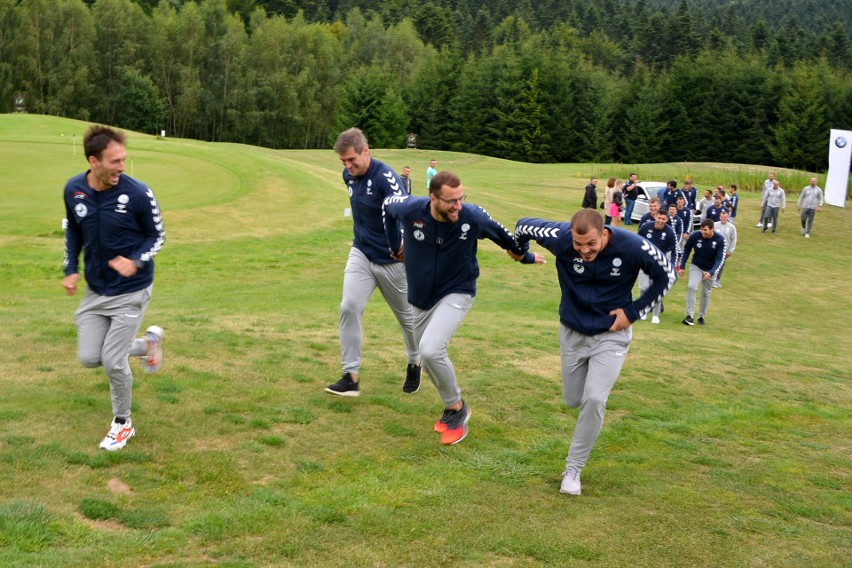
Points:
(441, 234)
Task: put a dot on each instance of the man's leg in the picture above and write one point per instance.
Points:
(774, 212)
(126, 315)
(358, 286)
(391, 281)
(92, 327)
(706, 289)
(435, 328)
(811, 214)
(590, 367)
(695, 276)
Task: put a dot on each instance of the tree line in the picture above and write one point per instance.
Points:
(638, 86)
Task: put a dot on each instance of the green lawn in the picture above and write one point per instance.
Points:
(727, 445)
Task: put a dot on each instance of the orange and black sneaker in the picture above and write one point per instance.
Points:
(456, 425)
(441, 425)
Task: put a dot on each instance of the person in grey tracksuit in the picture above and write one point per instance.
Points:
(810, 201)
(774, 201)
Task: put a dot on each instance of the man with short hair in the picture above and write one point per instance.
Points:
(685, 215)
(691, 194)
(405, 178)
(661, 234)
(671, 194)
(705, 204)
(774, 201)
(729, 231)
(631, 193)
(590, 199)
(597, 267)
(653, 207)
(430, 172)
(714, 212)
(707, 259)
(768, 183)
(369, 265)
(116, 222)
(734, 199)
(810, 201)
(441, 234)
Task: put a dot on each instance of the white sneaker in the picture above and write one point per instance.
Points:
(717, 284)
(807, 235)
(655, 319)
(570, 481)
(759, 225)
(802, 231)
(118, 435)
(154, 335)
(643, 318)
(769, 225)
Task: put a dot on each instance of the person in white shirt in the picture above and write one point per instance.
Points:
(810, 201)
(767, 186)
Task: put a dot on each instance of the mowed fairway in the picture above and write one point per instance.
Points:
(727, 445)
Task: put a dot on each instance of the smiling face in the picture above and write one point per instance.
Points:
(590, 244)
(356, 163)
(446, 204)
(106, 171)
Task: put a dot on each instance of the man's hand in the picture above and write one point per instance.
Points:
(123, 266)
(400, 254)
(70, 283)
(621, 321)
(707, 276)
(539, 258)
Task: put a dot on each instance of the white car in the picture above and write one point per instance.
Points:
(647, 190)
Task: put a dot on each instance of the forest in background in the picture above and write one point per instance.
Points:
(536, 81)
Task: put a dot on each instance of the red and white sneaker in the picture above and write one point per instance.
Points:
(118, 435)
(154, 335)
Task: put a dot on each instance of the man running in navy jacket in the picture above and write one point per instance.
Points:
(597, 267)
(441, 234)
(708, 255)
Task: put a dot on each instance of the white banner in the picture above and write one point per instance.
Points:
(839, 156)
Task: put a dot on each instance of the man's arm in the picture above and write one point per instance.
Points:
(393, 231)
(500, 235)
(655, 263)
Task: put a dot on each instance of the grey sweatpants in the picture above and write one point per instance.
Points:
(590, 366)
(433, 329)
(696, 279)
(106, 335)
(360, 278)
(808, 215)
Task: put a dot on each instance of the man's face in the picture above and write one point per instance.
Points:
(406, 171)
(813, 182)
(681, 203)
(708, 194)
(723, 216)
(447, 203)
(706, 232)
(771, 177)
(107, 171)
(653, 207)
(660, 220)
(672, 211)
(594, 181)
(589, 245)
(356, 163)
(433, 163)
(717, 201)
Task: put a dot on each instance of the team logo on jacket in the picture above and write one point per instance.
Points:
(122, 203)
(698, 244)
(465, 229)
(81, 210)
(579, 268)
(350, 190)
(418, 234)
(369, 187)
(616, 267)
(79, 195)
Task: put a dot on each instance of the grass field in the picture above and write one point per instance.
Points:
(727, 445)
